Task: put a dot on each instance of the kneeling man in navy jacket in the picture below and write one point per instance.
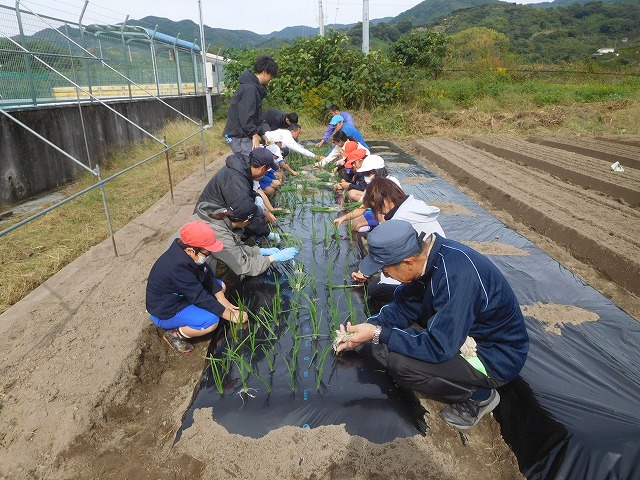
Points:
(454, 330)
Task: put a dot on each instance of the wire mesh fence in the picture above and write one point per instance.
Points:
(42, 57)
(46, 59)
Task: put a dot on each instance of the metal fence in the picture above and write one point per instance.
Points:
(42, 57)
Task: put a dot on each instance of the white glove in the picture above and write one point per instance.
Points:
(468, 348)
(274, 236)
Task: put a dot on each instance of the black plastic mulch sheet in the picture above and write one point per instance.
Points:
(574, 412)
(288, 374)
(351, 389)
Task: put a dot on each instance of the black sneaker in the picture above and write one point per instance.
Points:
(179, 344)
(467, 414)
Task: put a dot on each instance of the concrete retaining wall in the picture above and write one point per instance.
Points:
(28, 166)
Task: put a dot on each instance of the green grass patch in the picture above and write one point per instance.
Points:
(32, 253)
(469, 92)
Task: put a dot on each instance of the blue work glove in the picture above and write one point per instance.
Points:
(285, 254)
(265, 252)
(273, 236)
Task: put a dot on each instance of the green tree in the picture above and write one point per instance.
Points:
(386, 32)
(355, 34)
(481, 49)
(616, 26)
(315, 72)
(421, 48)
(405, 26)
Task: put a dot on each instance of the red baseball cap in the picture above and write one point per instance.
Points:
(200, 235)
(349, 147)
(357, 154)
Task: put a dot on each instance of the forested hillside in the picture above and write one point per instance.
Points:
(538, 35)
(189, 30)
(554, 34)
(431, 9)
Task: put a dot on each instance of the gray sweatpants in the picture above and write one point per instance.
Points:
(241, 145)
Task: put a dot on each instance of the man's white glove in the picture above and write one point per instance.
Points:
(468, 348)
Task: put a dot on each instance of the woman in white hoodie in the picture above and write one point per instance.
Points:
(362, 218)
(387, 200)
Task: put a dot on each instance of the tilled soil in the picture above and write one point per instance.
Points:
(626, 151)
(591, 173)
(541, 192)
(89, 390)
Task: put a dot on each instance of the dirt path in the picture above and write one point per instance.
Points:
(76, 345)
(95, 393)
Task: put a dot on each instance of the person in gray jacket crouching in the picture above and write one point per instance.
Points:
(237, 259)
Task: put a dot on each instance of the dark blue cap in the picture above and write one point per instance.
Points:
(263, 156)
(389, 243)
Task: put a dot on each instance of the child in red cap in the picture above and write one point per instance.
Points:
(350, 178)
(183, 296)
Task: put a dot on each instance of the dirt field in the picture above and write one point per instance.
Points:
(95, 393)
(572, 205)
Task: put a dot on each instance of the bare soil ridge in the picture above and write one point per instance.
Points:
(588, 172)
(594, 227)
(619, 140)
(627, 154)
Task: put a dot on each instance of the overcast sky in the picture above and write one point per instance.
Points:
(260, 16)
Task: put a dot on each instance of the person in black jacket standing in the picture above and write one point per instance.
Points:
(232, 187)
(183, 296)
(245, 124)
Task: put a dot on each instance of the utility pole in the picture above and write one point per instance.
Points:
(203, 50)
(365, 26)
(321, 14)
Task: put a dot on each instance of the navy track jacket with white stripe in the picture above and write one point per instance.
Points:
(462, 293)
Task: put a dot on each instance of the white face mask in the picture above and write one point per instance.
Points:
(368, 179)
(201, 259)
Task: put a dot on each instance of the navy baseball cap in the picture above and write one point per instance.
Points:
(263, 156)
(389, 243)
